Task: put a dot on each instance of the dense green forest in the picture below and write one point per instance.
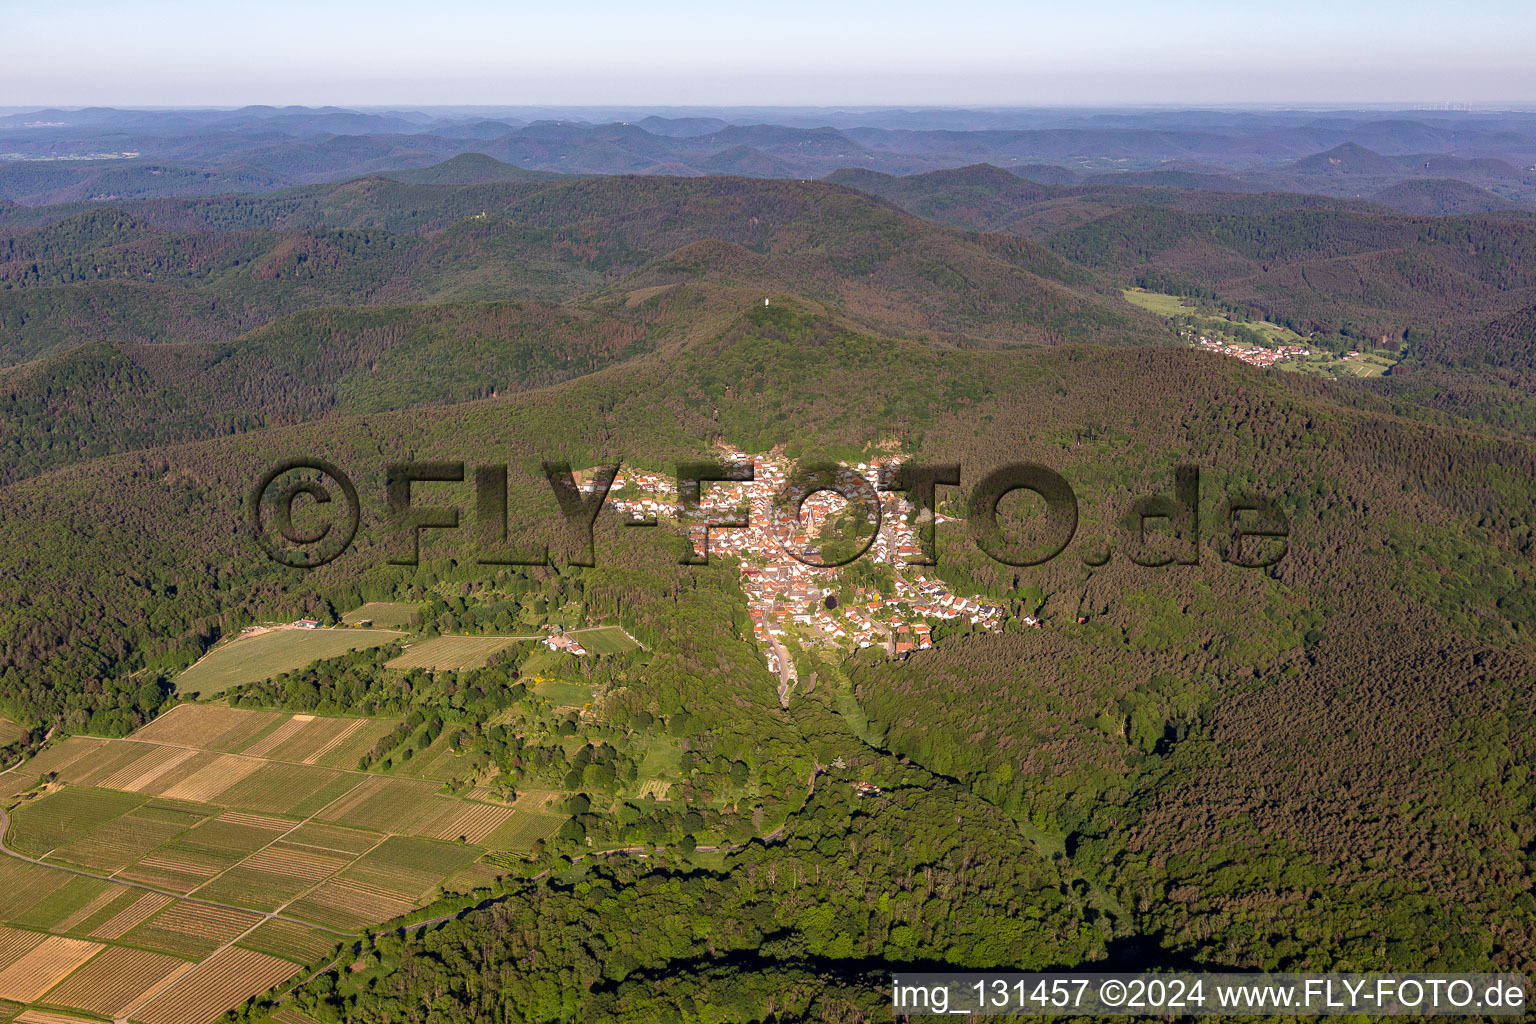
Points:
(1322, 764)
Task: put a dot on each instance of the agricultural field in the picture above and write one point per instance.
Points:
(1369, 363)
(42, 965)
(42, 825)
(228, 978)
(317, 740)
(118, 980)
(605, 640)
(183, 839)
(383, 614)
(250, 659)
(524, 829)
(290, 941)
(453, 653)
(10, 732)
(192, 929)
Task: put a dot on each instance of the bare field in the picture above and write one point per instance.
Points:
(43, 966)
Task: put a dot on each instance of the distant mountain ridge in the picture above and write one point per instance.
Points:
(115, 154)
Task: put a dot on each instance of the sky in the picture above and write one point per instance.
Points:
(786, 52)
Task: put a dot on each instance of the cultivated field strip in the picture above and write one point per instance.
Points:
(132, 916)
(228, 978)
(142, 772)
(466, 821)
(168, 871)
(117, 979)
(262, 821)
(522, 830)
(117, 844)
(15, 943)
(273, 739)
(347, 905)
(209, 781)
(89, 909)
(288, 1015)
(336, 739)
(61, 756)
(207, 726)
(300, 746)
(43, 966)
(274, 876)
(378, 798)
(334, 838)
(361, 740)
(192, 929)
(453, 653)
(50, 1017)
(290, 941)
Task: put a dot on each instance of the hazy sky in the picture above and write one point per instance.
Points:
(178, 52)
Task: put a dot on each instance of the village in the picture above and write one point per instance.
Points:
(1252, 355)
(794, 604)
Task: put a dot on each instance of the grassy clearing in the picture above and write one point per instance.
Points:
(662, 760)
(254, 658)
(384, 614)
(438, 762)
(563, 693)
(542, 661)
(452, 653)
(1156, 302)
(1216, 326)
(605, 640)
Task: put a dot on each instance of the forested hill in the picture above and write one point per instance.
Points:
(1311, 263)
(111, 396)
(211, 269)
(1124, 753)
(1320, 764)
